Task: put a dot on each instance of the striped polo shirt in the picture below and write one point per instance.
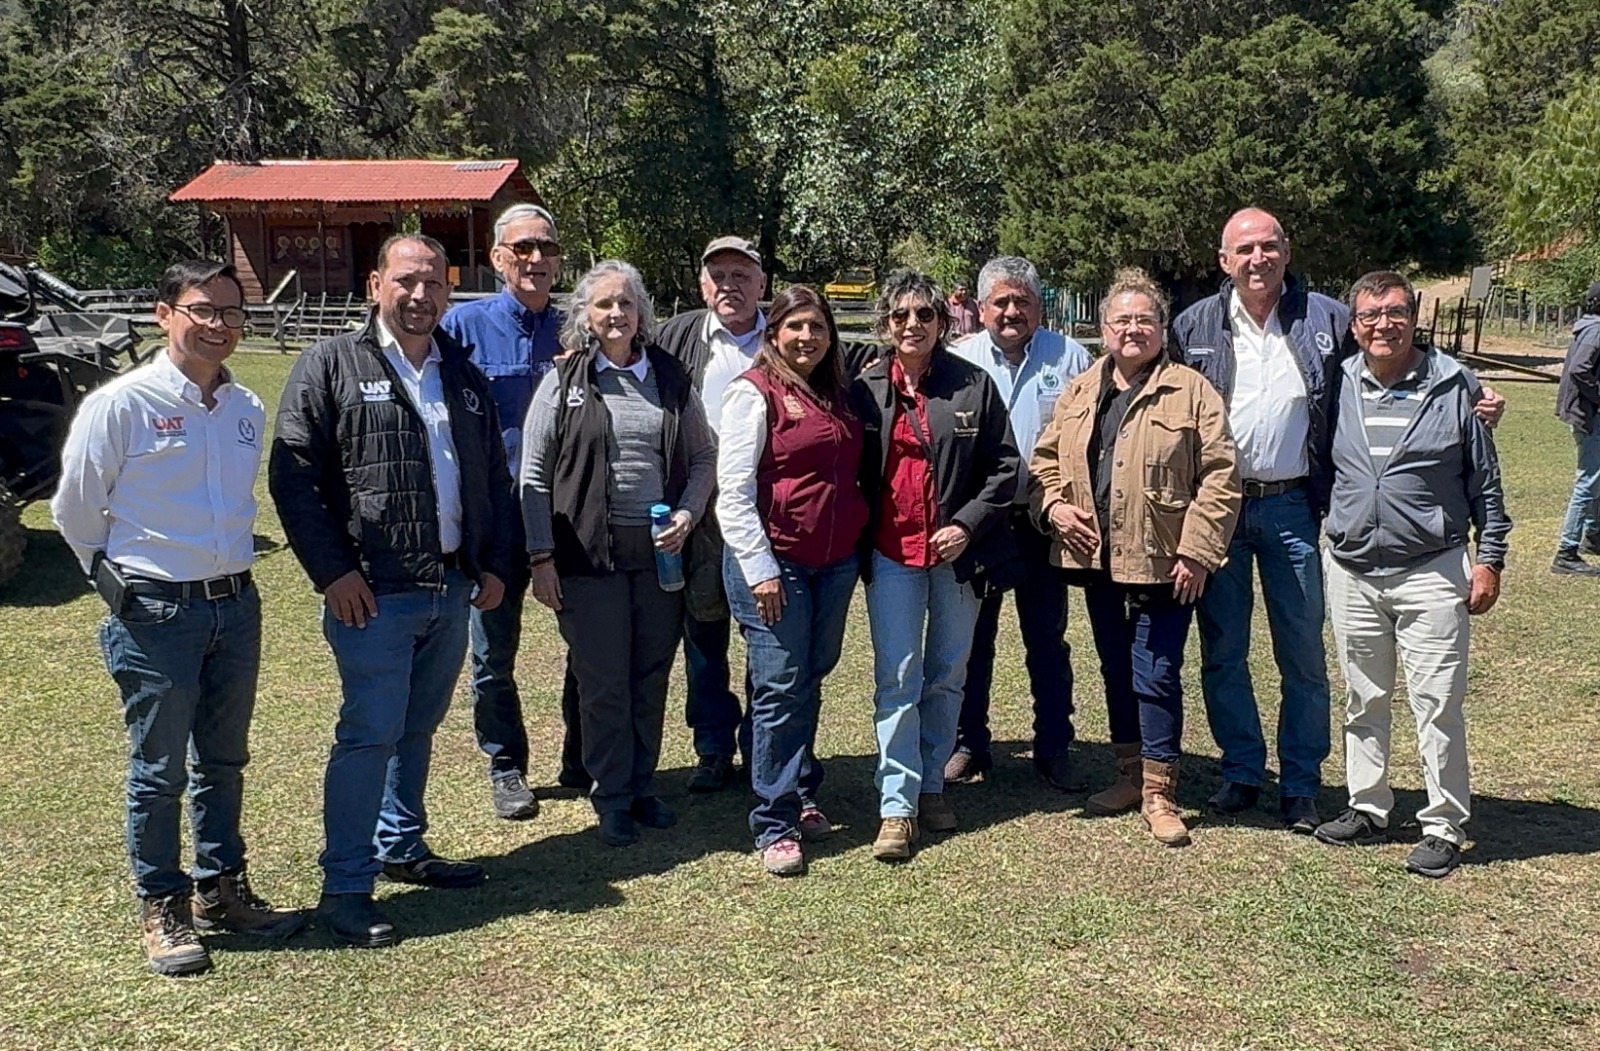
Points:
(1388, 411)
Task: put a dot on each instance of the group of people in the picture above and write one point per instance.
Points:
(437, 465)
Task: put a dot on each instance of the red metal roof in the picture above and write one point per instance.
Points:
(351, 182)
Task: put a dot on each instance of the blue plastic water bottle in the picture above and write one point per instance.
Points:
(669, 566)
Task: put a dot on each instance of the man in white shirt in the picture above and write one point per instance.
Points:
(157, 501)
(716, 345)
(1030, 366)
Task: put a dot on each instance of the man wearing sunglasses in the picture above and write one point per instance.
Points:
(513, 338)
(157, 501)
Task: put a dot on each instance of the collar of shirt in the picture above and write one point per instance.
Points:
(523, 315)
(387, 341)
(185, 389)
(715, 327)
(1242, 320)
(1416, 378)
(639, 368)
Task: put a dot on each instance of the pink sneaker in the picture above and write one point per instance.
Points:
(783, 858)
(814, 824)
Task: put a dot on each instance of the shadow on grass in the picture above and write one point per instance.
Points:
(50, 574)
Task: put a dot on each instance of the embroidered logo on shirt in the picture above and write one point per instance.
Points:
(794, 407)
(469, 399)
(168, 426)
(376, 390)
(964, 427)
(247, 433)
(1324, 342)
(575, 397)
(1200, 352)
(1050, 381)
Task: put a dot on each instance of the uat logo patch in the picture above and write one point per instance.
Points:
(168, 426)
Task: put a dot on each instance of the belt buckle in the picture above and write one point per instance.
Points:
(224, 588)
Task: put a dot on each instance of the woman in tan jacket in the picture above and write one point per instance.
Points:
(1136, 481)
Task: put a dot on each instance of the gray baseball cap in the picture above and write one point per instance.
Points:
(730, 243)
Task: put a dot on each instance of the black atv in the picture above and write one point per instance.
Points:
(48, 362)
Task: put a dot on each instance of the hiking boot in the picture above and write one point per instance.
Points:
(1573, 565)
(1234, 797)
(651, 812)
(966, 766)
(1160, 806)
(171, 946)
(934, 813)
(784, 858)
(713, 774)
(513, 799)
(355, 920)
(1127, 791)
(1353, 828)
(814, 824)
(896, 835)
(1300, 814)
(227, 903)
(1058, 772)
(431, 870)
(1434, 857)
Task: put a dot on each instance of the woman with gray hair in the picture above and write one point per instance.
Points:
(939, 471)
(613, 431)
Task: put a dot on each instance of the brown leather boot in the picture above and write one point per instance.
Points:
(170, 944)
(227, 903)
(1127, 790)
(895, 839)
(1160, 807)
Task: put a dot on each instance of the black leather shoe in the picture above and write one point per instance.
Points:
(575, 777)
(714, 773)
(1300, 815)
(1057, 772)
(1572, 565)
(651, 812)
(618, 829)
(354, 920)
(1234, 798)
(431, 870)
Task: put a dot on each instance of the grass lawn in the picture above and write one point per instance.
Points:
(1033, 927)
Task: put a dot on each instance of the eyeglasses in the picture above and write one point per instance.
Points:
(1123, 322)
(526, 247)
(205, 314)
(1370, 318)
(900, 315)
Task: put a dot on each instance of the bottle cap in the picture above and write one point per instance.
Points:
(661, 513)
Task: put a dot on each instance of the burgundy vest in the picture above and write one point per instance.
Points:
(806, 488)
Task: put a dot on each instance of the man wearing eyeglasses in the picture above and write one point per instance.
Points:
(513, 337)
(716, 345)
(157, 501)
(1413, 473)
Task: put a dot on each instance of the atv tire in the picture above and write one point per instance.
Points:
(13, 538)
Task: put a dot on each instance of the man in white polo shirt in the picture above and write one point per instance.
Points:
(157, 502)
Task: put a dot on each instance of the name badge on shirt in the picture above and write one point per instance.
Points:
(376, 390)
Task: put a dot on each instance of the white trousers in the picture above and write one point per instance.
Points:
(1420, 616)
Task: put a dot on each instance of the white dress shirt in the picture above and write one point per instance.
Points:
(164, 486)
(729, 357)
(740, 446)
(1268, 413)
(425, 388)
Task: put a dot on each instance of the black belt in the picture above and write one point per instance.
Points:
(450, 560)
(184, 590)
(1255, 488)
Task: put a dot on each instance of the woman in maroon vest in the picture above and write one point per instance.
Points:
(791, 513)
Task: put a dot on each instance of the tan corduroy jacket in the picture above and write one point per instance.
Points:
(1174, 480)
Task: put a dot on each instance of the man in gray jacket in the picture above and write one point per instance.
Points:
(1413, 470)
(1578, 405)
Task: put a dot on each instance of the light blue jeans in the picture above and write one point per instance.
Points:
(1580, 521)
(922, 622)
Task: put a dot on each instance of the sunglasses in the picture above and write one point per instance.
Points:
(525, 248)
(900, 315)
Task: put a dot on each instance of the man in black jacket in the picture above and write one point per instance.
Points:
(390, 478)
(1578, 406)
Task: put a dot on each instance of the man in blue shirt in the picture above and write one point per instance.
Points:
(1030, 366)
(513, 338)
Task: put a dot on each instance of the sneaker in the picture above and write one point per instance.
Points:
(1573, 565)
(1434, 857)
(1353, 828)
(651, 812)
(1234, 797)
(784, 858)
(171, 947)
(513, 799)
(966, 766)
(814, 824)
(227, 903)
(895, 838)
(934, 813)
(713, 774)
(431, 870)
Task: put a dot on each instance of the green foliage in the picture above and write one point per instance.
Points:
(89, 261)
(1563, 279)
(1554, 185)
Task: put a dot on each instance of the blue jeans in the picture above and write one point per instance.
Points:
(1278, 534)
(1139, 633)
(1041, 598)
(1581, 509)
(922, 622)
(187, 673)
(719, 724)
(496, 704)
(788, 661)
(397, 674)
